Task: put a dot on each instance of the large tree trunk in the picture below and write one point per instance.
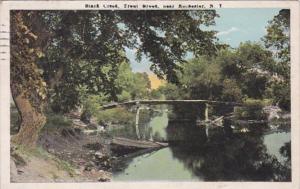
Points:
(27, 85)
(31, 121)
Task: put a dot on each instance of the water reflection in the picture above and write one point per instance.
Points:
(226, 157)
(159, 166)
(211, 154)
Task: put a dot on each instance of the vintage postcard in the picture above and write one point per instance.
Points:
(149, 94)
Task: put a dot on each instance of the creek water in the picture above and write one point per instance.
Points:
(260, 154)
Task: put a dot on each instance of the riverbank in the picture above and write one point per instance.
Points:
(65, 152)
(62, 158)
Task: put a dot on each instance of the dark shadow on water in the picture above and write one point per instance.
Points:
(226, 156)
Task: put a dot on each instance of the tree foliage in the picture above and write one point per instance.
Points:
(233, 74)
(277, 40)
(84, 47)
(249, 65)
(130, 85)
(166, 36)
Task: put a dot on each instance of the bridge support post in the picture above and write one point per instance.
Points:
(206, 112)
(137, 117)
(207, 131)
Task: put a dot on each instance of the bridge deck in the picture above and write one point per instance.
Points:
(153, 102)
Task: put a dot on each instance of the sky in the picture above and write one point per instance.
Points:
(233, 26)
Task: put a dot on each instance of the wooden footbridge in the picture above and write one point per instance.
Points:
(139, 103)
(154, 102)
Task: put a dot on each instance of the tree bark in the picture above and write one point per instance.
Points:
(27, 85)
(32, 121)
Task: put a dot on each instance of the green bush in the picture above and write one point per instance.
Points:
(280, 92)
(252, 110)
(56, 121)
(91, 105)
(231, 91)
(124, 96)
(257, 102)
(116, 115)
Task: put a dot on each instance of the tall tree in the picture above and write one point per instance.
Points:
(28, 88)
(278, 41)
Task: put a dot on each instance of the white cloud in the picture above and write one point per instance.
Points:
(226, 32)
